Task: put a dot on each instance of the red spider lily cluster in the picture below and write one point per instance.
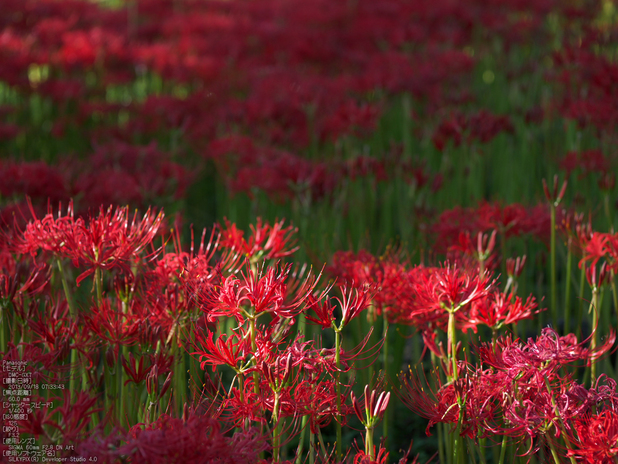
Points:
(228, 311)
(518, 392)
(170, 342)
(256, 88)
(251, 344)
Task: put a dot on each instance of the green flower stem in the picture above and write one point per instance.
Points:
(459, 452)
(98, 284)
(277, 429)
(4, 328)
(385, 369)
(65, 286)
(614, 292)
(567, 292)
(108, 387)
(441, 443)
(311, 447)
(73, 382)
(554, 453)
(301, 439)
(338, 391)
(180, 381)
(452, 342)
(481, 450)
(502, 450)
(562, 427)
(321, 441)
(256, 378)
(196, 373)
(302, 325)
(554, 291)
(608, 212)
(369, 442)
(594, 306)
(122, 390)
(582, 286)
(471, 449)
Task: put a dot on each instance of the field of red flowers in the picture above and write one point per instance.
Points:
(360, 231)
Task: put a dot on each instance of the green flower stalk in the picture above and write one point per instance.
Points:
(352, 303)
(595, 280)
(554, 198)
(73, 313)
(370, 411)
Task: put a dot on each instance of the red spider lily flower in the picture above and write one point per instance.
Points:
(514, 268)
(47, 234)
(438, 406)
(35, 421)
(607, 182)
(481, 251)
(228, 349)
(198, 439)
(555, 196)
(23, 279)
(509, 220)
(266, 241)
(451, 288)
(136, 371)
(324, 312)
(475, 395)
(111, 240)
(354, 269)
(595, 438)
(76, 410)
(103, 445)
(107, 241)
(318, 400)
(542, 405)
(436, 292)
(153, 386)
(386, 273)
(352, 302)
(53, 329)
(118, 326)
(588, 161)
(498, 310)
(266, 290)
(598, 278)
(371, 410)
(546, 354)
(277, 373)
(380, 458)
(246, 405)
(596, 247)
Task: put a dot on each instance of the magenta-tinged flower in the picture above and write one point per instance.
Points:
(546, 354)
(475, 396)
